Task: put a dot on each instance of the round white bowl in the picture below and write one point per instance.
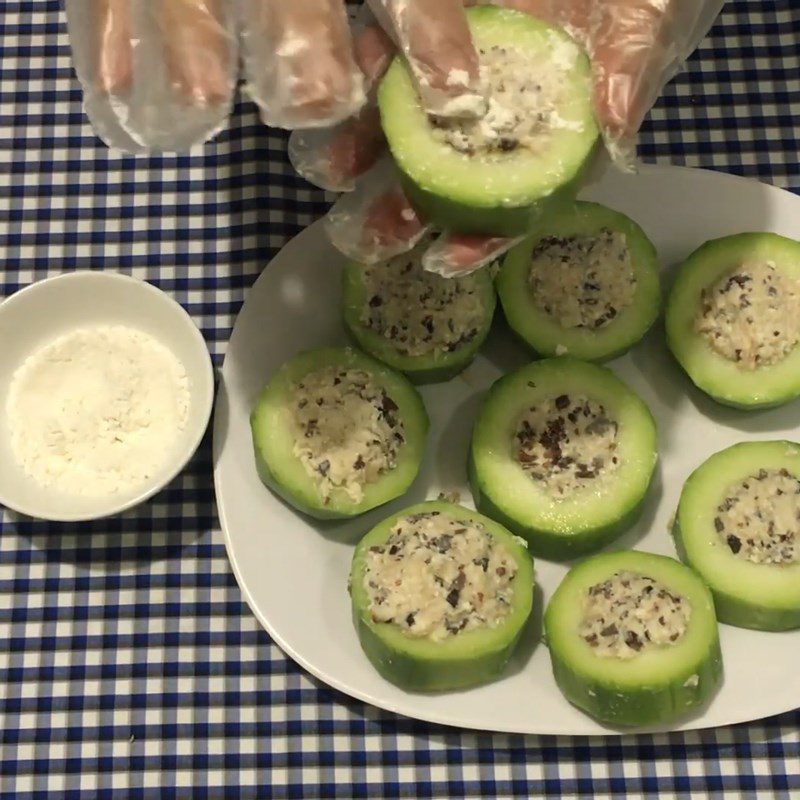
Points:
(34, 316)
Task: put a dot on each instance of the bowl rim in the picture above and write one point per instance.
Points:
(205, 397)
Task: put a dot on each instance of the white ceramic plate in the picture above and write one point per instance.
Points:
(293, 574)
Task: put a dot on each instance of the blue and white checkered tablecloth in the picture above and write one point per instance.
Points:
(129, 664)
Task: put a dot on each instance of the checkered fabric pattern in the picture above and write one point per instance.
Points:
(129, 664)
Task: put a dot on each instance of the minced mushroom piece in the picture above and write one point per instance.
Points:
(759, 519)
(347, 430)
(523, 91)
(420, 312)
(752, 315)
(566, 443)
(451, 496)
(437, 576)
(582, 281)
(631, 613)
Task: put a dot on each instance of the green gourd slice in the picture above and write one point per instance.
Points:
(417, 322)
(738, 527)
(733, 319)
(586, 283)
(629, 655)
(349, 462)
(497, 175)
(525, 474)
(448, 624)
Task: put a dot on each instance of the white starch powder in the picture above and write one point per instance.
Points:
(97, 411)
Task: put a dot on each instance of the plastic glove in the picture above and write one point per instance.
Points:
(195, 47)
(157, 75)
(304, 71)
(376, 221)
(635, 46)
(114, 48)
(434, 38)
(197, 53)
(161, 74)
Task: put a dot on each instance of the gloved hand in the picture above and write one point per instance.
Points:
(161, 74)
(306, 70)
(635, 47)
(302, 65)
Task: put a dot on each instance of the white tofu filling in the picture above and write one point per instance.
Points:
(437, 576)
(752, 315)
(631, 613)
(523, 93)
(419, 312)
(347, 430)
(582, 281)
(759, 519)
(566, 443)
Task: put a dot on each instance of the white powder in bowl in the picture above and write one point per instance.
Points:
(97, 411)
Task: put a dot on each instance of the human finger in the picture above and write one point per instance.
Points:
(196, 49)
(300, 64)
(434, 37)
(457, 254)
(373, 51)
(332, 158)
(375, 221)
(114, 45)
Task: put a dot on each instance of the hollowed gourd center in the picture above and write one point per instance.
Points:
(582, 281)
(565, 443)
(523, 91)
(752, 315)
(759, 519)
(436, 576)
(630, 613)
(419, 312)
(347, 430)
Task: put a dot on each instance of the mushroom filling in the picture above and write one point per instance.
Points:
(566, 443)
(419, 312)
(759, 519)
(631, 613)
(523, 92)
(752, 315)
(582, 281)
(437, 576)
(347, 430)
